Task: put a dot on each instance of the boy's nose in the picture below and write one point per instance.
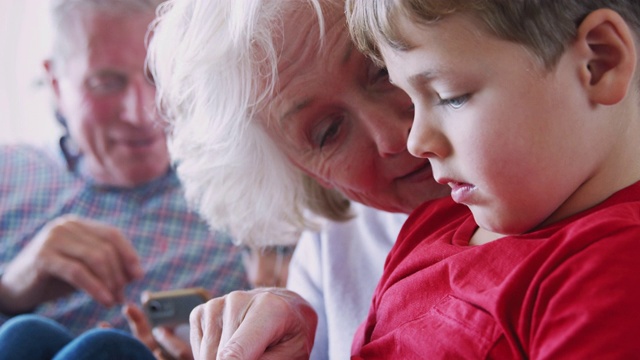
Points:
(425, 141)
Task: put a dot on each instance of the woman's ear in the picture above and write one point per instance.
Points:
(609, 56)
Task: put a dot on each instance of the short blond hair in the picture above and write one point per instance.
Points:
(545, 27)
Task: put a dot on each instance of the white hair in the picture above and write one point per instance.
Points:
(66, 13)
(215, 67)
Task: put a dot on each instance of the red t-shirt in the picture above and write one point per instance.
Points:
(568, 291)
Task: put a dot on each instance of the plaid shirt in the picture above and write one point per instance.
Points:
(176, 248)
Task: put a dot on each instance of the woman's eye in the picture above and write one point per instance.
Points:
(381, 79)
(383, 73)
(329, 133)
(377, 75)
(455, 102)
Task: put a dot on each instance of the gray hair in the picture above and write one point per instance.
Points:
(215, 67)
(65, 15)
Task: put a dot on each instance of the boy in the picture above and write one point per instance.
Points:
(530, 111)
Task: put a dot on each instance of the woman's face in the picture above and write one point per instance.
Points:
(337, 117)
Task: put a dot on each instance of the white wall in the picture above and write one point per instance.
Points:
(26, 113)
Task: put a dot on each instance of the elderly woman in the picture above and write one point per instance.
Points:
(275, 116)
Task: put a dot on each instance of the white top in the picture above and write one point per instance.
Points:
(337, 271)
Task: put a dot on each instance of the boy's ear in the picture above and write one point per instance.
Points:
(609, 53)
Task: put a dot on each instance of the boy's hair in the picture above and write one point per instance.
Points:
(545, 27)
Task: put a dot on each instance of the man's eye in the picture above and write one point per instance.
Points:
(148, 75)
(106, 83)
(455, 102)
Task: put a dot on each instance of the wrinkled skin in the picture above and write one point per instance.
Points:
(266, 323)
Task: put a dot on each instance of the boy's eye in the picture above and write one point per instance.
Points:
(455, 102)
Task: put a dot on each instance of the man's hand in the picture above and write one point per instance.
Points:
(265, 323)
(161, 340)
(69, 254)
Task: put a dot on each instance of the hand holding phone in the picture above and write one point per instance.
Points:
(172, 307)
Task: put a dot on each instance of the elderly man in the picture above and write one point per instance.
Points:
(102, 218)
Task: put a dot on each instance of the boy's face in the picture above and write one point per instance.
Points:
(513, 140)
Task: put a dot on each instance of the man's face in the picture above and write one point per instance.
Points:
(337, 117)
(108, 103)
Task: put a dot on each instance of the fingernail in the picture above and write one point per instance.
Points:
(138, 272)
(107, 298)
(158, 332)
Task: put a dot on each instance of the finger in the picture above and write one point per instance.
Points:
(159, 354)
(172, 344)
(144, 297)
(98, 258)
(78, 276)
(236, 305)
(277, 321)
(127, 253)
(196, 324)
(139, 325)
(100, 261)
(121, 248)
(206, 327)
(255, 330)
(83, 242)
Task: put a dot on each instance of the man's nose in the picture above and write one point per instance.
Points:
(138, 103)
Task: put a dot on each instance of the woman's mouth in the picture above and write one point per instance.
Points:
(419, 174)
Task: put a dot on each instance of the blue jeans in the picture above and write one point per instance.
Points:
(32, 337)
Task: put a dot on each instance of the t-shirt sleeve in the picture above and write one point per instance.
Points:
(590, 303)
(305, 278)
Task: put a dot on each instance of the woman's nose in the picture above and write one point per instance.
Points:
(389, 127)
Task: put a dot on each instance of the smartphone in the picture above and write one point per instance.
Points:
(172, 307)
